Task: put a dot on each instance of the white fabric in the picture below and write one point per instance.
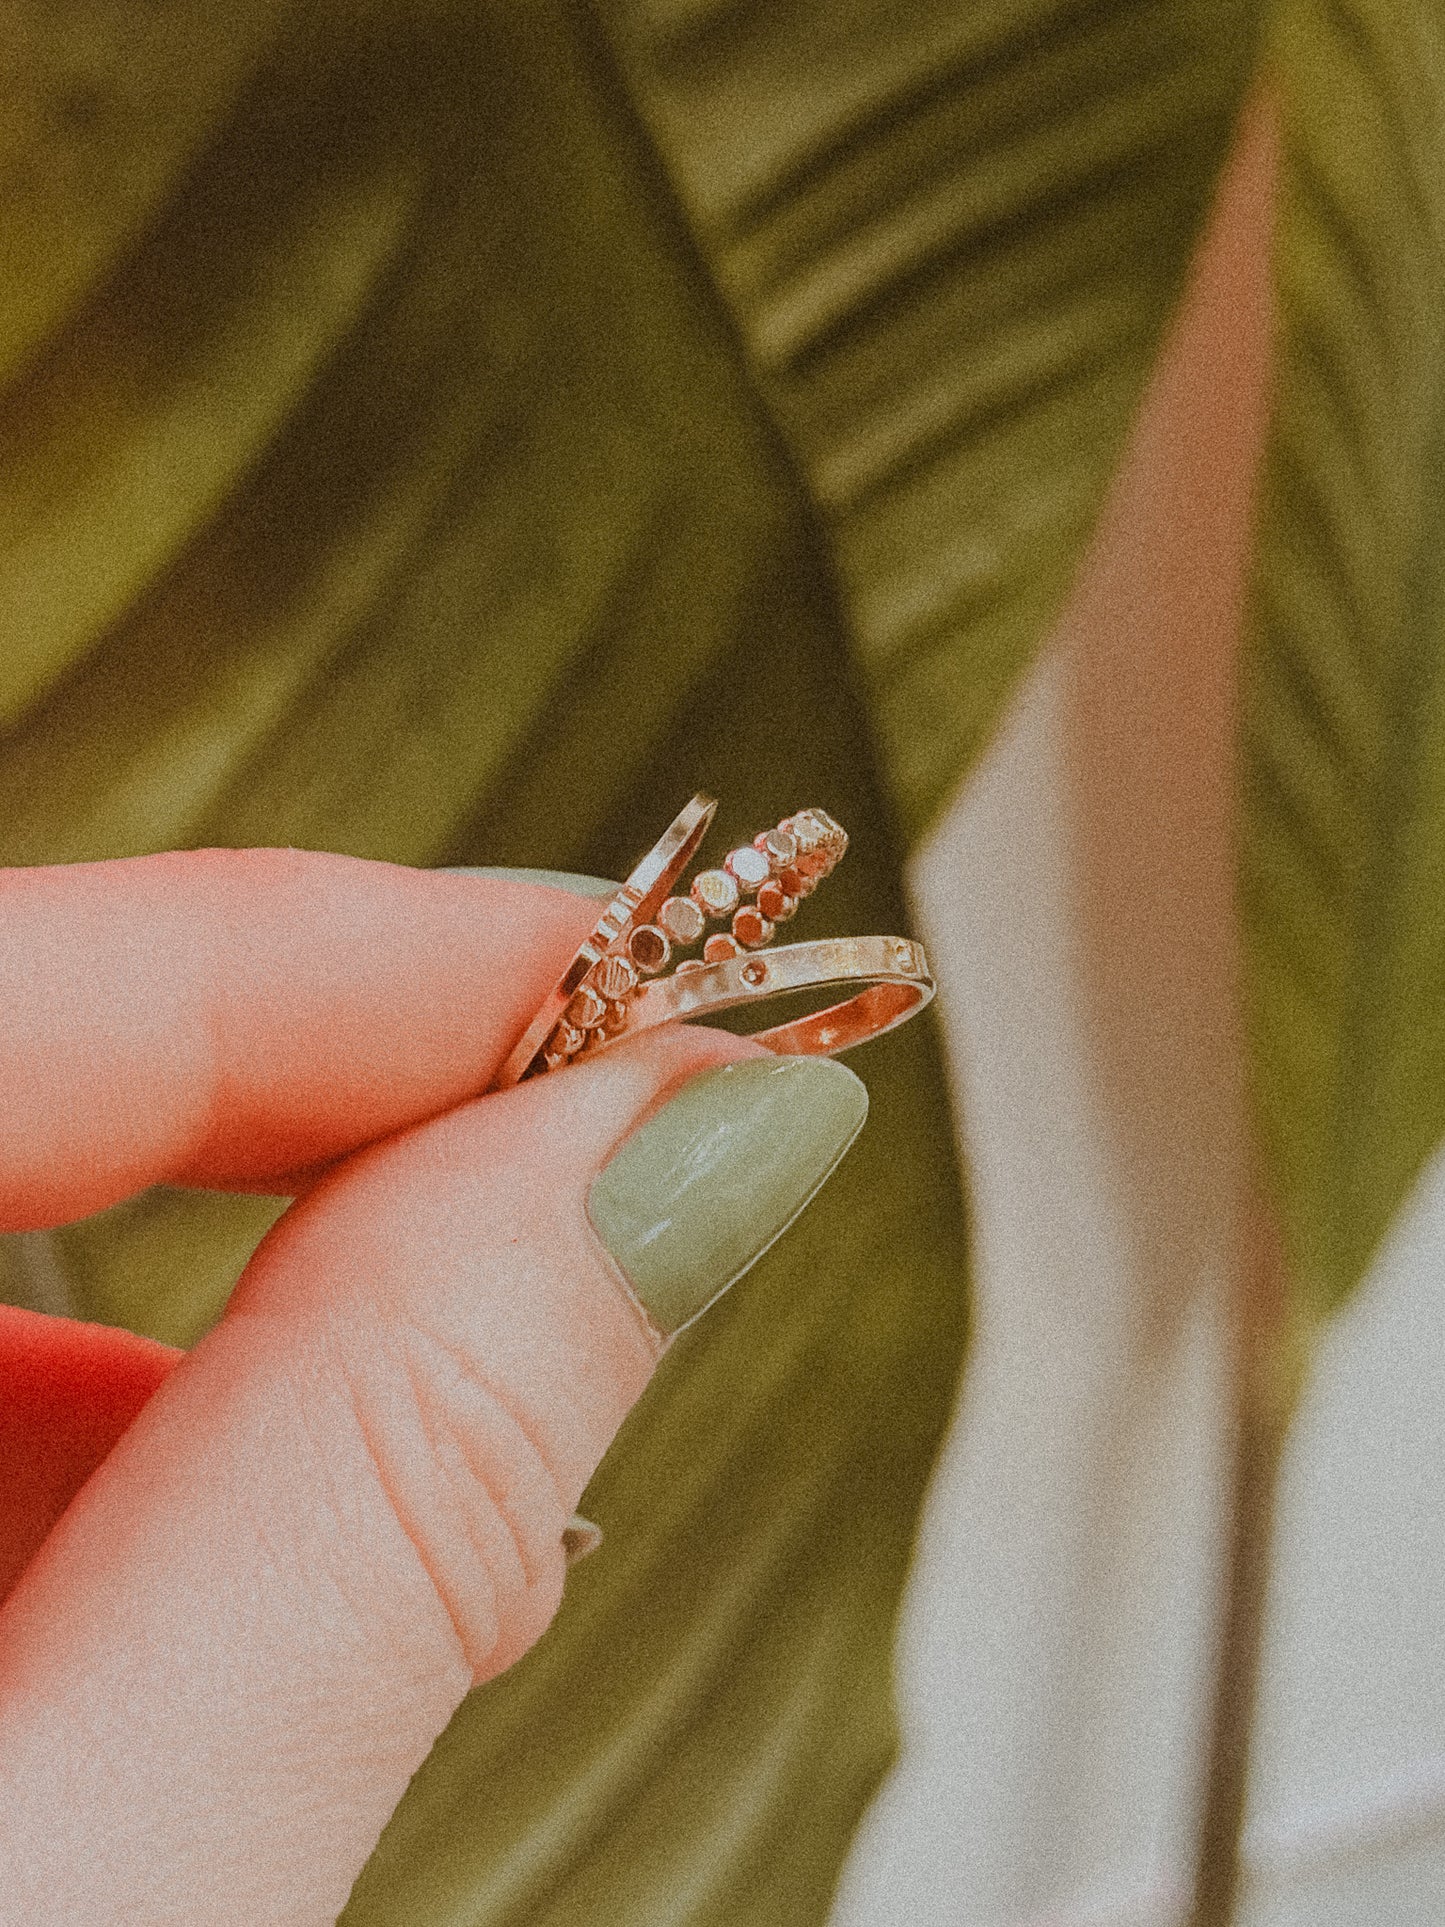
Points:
(1055, 1645)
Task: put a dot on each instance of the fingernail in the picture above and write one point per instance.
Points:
(698, 1193)
(578, 886)
(580, 1539)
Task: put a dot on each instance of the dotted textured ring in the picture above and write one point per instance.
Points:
(614, 985)
(639, 899)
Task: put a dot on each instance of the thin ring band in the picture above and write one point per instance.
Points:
(636, 902)
(894, 971)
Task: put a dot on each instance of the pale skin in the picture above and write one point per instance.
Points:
(345, 1506)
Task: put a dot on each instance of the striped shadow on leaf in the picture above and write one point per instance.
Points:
(498, 562)
(1344, 861)
(949, 237)
(497, 424)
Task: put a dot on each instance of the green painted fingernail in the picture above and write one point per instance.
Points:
(579, 886)
(698, 1193)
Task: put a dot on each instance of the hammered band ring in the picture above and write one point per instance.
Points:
(893, 970)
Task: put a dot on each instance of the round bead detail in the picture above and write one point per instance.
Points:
(751, 927)
(780, 847)
(587, 1008)
(749, 867)
(615, 977)
(756, 887)
(649, 949)
(775, 903)
(682, 919)
(806, 830)
(715, 892)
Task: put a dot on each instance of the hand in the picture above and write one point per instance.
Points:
(344, 1507)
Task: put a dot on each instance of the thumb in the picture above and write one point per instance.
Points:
(346, 1506)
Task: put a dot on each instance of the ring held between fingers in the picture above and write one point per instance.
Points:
(348, 1503)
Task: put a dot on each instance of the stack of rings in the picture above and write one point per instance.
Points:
(614, 986)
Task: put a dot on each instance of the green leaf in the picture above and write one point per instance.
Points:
(105, 105)
(362, 491)
(949, 237)
(485, 430)
(404, 493)
(1344, 858)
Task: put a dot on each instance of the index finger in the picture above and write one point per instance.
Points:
(225, 1017)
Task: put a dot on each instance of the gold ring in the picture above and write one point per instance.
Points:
(605, 995)
(893, 970)
(635, 903)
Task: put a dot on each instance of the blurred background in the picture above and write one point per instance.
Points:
(455, 433)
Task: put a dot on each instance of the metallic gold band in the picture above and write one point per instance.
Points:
(636, 902)
(612, 989)
(893, 969)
